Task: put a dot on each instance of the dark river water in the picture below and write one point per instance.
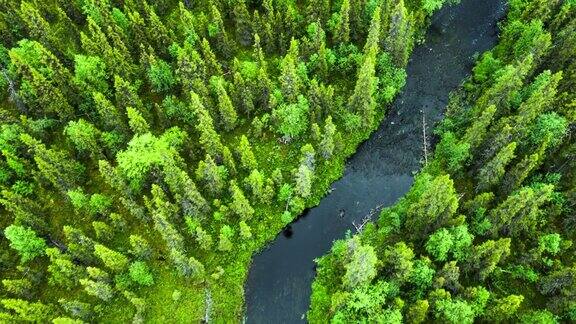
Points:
(279, 283)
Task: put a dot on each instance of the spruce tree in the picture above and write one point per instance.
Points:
(362, 100)
(399, 33)
(226, 110)
(341, 32)
(209, 138)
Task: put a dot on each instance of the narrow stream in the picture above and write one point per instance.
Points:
(279, 283)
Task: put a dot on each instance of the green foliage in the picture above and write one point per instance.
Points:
(140, 273)
(361, 267)
(292, 118)
(439, 244)
(160, 76)
(25, 241)
(116, 261)
(147, 151)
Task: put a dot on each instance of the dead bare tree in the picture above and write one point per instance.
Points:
(424, 138)
(360, 227)
(367, 218)
(13, 92)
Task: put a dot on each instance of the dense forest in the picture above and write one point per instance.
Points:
(486, 233)
(149, 149)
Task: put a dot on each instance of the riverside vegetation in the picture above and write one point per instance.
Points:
(486, 234)
(149, 149)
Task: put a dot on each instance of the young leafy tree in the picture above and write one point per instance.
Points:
(140, 273)
(160, 75)
(305, 172)
(439, 244)
(292, 119)
(361, 268)
(90, 74)
(25, 241)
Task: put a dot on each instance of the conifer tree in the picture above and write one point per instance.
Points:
(519, 212)
(217, 31)
(126, 96)
(185, 191)
(341, 32)
(362, 100)
(244, 94)
(136, 121)
(140, 247)
(327, 144)
(243, 22)
(494, 170)
(509, 81)
(79, 245)
(54, 165)
(226, 110)
(225, 243)
(436, 205)
(63, 272)
(247, 158)
(477, 131)
(116, 261)
(209, 138)
(98, 289)
(28, 311)
(486, 256)
(373, 39)
(37, 26)
(211, 175)
(109, 114)
(290, 81)
(255, 182)
(85, 136)
(212, 65)
(397, 40)
(240, 205)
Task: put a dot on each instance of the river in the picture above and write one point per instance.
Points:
(279, 283)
